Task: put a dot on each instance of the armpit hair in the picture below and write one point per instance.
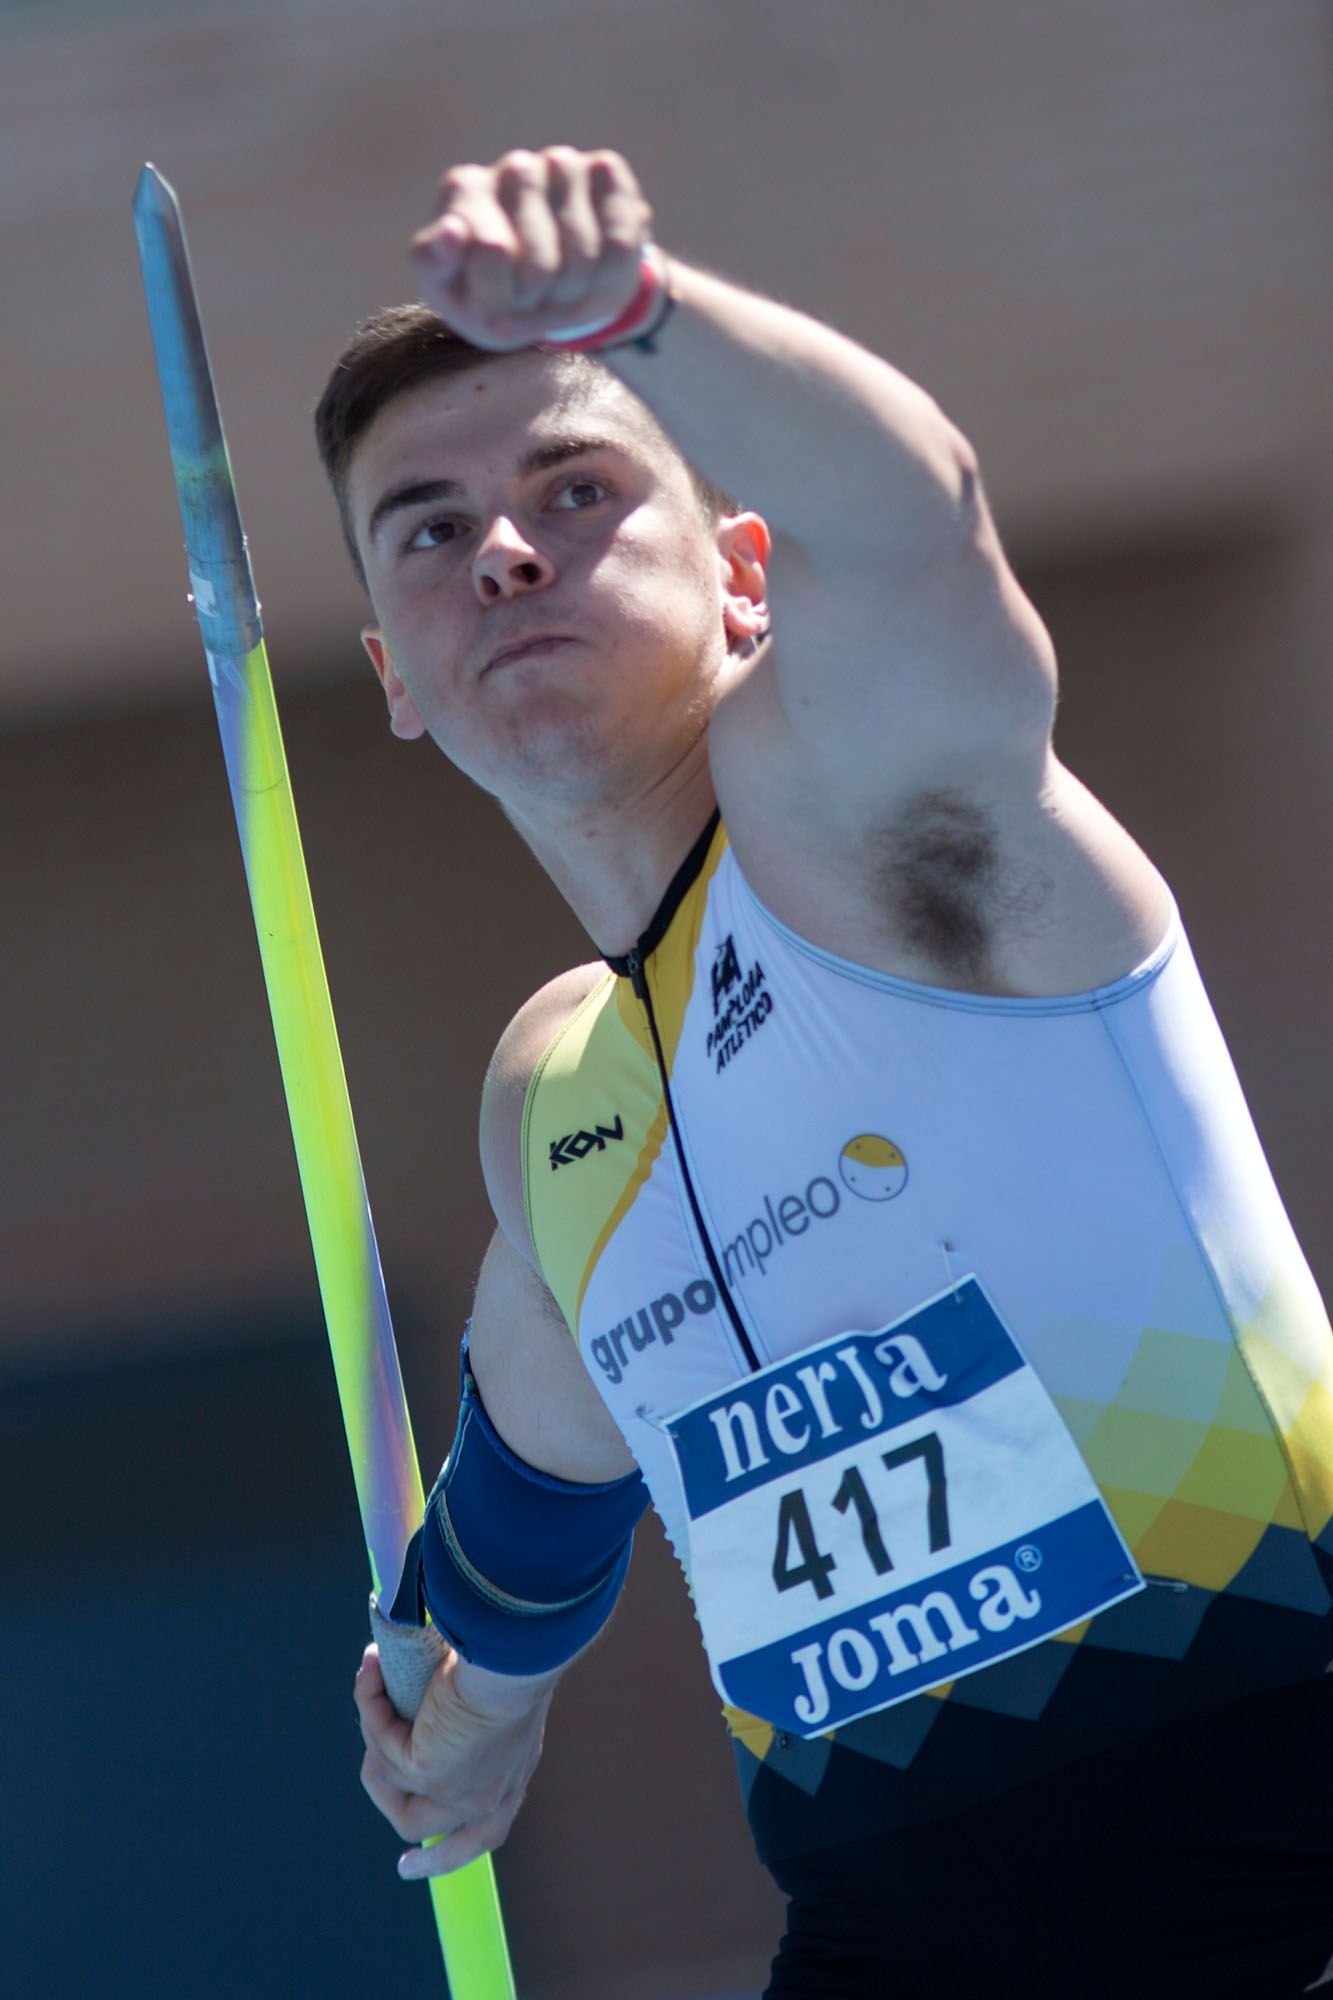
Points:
(941, 878)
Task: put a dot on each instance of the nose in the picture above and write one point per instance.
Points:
(507, 565)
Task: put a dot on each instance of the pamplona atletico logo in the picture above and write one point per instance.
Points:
(741, 1003)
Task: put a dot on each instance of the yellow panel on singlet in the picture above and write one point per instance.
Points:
(601, 1092)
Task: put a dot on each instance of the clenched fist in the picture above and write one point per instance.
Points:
(540, 246)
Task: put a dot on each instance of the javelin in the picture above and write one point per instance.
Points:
(351, 1283)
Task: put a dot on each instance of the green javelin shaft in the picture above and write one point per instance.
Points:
(370, 1387)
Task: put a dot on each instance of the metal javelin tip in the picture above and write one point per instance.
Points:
(154, 194)
(221, 582)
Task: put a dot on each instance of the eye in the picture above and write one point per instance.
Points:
(581, 493)
(433, 534)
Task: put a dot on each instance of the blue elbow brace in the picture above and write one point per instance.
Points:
(519, 1570)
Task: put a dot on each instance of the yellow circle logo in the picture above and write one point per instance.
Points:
(872, 1167)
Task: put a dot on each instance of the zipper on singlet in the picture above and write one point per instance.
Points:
(639, 982)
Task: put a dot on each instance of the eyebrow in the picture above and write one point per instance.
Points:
(420, 492)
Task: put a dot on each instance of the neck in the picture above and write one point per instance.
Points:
(613, 861)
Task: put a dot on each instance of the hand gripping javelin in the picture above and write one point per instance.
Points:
(370, 1385)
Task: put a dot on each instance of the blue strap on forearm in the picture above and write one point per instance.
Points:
(518, 1569)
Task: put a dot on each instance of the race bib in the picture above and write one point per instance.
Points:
(886, 1512)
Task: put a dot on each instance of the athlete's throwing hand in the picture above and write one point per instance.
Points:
(458, 1774)
(540, 246)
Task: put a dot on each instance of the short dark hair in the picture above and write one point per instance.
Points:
(392, 352)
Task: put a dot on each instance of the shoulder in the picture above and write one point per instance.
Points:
(504, 1093)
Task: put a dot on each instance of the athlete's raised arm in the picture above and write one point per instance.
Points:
(892, 596)
(885, 766)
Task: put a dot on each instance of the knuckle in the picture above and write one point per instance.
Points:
(520, 164)
(479, 1808)
(578, 235)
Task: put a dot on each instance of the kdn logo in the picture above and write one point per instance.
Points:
(577, 1145)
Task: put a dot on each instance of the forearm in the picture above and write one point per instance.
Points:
(503, 1697)
(833, 445)
(519, 1568)
(858, 447)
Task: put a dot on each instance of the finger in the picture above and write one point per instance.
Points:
(487, 261)
(382, 1728)
(456, 1850)
(444, 283)
(468, 204)
(422, 1819)
(416, 1815)
(395, 1805)
(623, 216)
(489, 267)
(580, 236)
(382, 1780)
(411, 1816)
(369, 1682)
(441, 245)
(520, 185)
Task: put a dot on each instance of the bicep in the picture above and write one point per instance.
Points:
(533, 1383)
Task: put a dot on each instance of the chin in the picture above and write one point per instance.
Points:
(551, 749)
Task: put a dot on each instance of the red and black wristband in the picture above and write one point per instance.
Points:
(638, 325)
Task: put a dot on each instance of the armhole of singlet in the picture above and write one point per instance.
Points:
(596, 993)
(1088, 1000)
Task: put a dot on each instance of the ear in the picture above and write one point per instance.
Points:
(744, 544)
(403, 718)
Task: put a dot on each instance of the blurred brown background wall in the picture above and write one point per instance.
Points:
(1099, 233)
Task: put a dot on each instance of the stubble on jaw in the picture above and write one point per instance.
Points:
(560, 752)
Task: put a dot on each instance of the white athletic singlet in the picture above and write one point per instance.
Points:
(841, 1147)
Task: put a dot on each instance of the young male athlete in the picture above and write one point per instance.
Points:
(887, 1169)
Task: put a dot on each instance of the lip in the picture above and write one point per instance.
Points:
(532, 642)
